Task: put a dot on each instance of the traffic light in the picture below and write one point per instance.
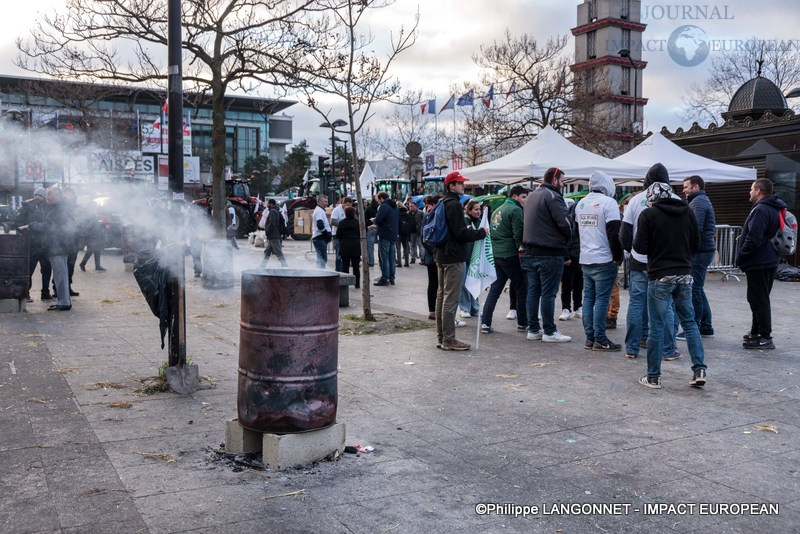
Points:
(323, 167)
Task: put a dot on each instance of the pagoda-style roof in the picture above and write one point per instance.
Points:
(754, 98)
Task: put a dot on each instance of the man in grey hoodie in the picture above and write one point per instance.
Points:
(597, 215)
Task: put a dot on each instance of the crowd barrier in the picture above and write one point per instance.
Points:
(725, 258)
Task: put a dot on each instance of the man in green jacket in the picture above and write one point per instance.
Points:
(506, 235)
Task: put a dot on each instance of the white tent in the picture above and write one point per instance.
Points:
(681, 163)
(550, 149)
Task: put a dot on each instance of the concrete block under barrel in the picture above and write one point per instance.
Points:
(288, 350)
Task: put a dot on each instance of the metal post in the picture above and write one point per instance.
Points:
(179, 377)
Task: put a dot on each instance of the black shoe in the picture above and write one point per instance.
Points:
(405, 265)
(46, 295)
(391, 282)
(412, 261)
(749, 336)
(74, 293)
(56, 307)
(709, 332)
(759, 343)
(588, 344)
(358, 286)
(83, 267)
(606, 346)
(381, 283)
(699, 378)
(100, 269)
(611, 324)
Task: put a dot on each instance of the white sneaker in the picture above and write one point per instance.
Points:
(556, 337)
(535, 336)
(578, 314)
(460, 323)
(464, 315)
(566, 315)
(512, 315)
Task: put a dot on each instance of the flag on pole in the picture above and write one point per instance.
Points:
(487, 100)
(512, 89)
(429, 107)
(466, 99)
(481, 272)
(450, 103)
(161, 118)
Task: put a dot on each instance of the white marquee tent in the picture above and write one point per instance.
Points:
(681, 163)
(550, 149)
(367, 181)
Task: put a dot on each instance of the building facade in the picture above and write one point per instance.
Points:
(89, 135)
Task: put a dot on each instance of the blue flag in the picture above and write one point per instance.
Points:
(465, 99)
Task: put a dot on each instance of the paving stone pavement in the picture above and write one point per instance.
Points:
(513, 422)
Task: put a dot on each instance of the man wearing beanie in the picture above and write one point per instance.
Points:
(668, 235)
(637, 320)
(33, 210)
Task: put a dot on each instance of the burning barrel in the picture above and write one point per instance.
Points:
(14, 259)
(288, 350)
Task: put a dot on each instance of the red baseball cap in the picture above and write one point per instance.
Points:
(453, 177)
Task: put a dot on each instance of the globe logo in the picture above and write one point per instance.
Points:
(688, 46)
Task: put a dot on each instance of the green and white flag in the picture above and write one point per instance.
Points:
(480, 272)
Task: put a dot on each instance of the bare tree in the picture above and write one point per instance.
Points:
(228, 44)
(536, 88)
(704, 103)
(351, 70)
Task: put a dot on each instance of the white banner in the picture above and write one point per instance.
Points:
(191, 170)
(480, 271)
(116, 165)
(155, 138)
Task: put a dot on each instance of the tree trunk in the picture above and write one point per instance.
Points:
(218, 156)
(362, 230)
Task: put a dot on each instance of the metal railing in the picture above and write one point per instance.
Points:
(725, 259)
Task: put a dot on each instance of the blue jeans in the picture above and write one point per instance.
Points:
(544, 276)
(372, 236)
(637, 317)
(659, 296)
(321, 246)
(598, 281)
(386, 256)
(466, 301)
(338, 262)
(507, 269)
(702, 311)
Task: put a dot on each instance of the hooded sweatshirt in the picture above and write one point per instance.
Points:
(656, 173)
(597, 215)
(667, 234)
(756, 251)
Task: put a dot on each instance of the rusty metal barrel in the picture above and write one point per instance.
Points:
(288, 350)
(14, 266)
(217, 257)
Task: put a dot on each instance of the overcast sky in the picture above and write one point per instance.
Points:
(451, 31)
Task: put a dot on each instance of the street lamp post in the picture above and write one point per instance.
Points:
(344, 164)
(338, 123)
(625, 53)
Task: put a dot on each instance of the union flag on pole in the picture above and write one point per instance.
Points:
(481, 272)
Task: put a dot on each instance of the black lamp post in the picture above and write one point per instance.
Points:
(338, 123)
(440, 169)
(625, 53)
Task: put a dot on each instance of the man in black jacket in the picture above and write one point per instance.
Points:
(667, 234)
(386, 223)
(33, 211)
(450, 257)
(758, 259)
(545, 236)
(272, 230)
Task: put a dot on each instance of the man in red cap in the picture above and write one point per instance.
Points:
(450, 257)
